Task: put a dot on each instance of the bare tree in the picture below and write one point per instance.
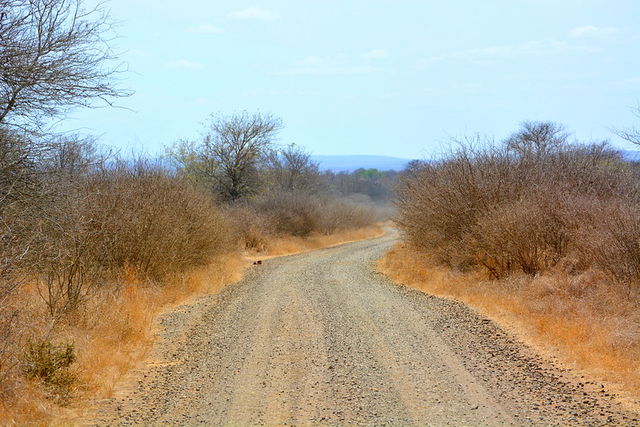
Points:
(17, 167)
(413, 168)
(69, 156)
(236, 145)
(53, 55)
(292, 169)
(192, 162)
(631, 134)
(19, 191)
(537, 138)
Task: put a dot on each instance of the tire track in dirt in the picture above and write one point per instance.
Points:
(320, 338)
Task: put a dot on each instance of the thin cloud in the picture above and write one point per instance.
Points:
(206, 29)
(138, 53)
(311, 60)
(376, 54)
(339, 64)
(255, 13)
(592, 31)
(632, 81)
(494, 53)
(185, 64)
(552, 47)
(272, 92)
(329, 70)
(308, 92)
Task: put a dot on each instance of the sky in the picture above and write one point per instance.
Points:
(381, 77)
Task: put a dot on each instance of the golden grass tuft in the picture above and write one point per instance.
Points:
(585, 321)
(116, 328)
(122, 337)
(289, 245)
(112, 335)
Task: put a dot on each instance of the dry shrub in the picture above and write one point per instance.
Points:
(440, 203)
(529, 234)
(296, 214)
(583, 319)
(507, 210)
(50, 363)
(154, 222)
(556, 223)
(134, 216)
(607, 237)
(91, 232)
(292, 213)
(345, 214)
(252, 229)
(19, 201)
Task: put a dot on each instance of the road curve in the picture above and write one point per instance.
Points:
(320, 338)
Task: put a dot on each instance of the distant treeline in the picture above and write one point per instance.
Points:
(378, 185)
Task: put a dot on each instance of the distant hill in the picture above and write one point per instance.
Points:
(631, 155)
(349, 163)
(353, 162)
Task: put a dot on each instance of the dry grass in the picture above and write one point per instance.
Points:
(554, 224)
(116, 328)
(112, 335)
(110, 250)
(585, 320)
(129, 324)
(97, 248)
(274, 221)
(289, 245)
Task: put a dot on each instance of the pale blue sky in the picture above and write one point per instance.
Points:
(373, 76)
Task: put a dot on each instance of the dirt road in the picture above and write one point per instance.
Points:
(321, 338)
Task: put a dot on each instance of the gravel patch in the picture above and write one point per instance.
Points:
(321, 338)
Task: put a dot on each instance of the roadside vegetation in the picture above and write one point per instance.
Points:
(269, 191)
(536, 230)
(94, 245)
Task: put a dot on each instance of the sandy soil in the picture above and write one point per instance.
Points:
(320, 338)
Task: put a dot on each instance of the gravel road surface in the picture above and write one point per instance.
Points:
(321, 338)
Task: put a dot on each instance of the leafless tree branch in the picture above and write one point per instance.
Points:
(54, 55)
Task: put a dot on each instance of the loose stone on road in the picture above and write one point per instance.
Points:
(321, 338)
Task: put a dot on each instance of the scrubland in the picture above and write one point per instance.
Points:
(283, 223)
(95, 246)
(538, 232)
